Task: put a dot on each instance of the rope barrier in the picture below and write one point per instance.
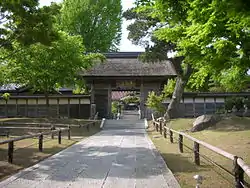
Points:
(211, 162)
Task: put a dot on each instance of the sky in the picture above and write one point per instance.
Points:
(125, 44)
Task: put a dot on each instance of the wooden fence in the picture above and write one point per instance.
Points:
(40, 136)
(240, 167)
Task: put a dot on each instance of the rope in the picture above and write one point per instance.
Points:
(209, 160)
(34, 143)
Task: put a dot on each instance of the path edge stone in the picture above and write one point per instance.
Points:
(167, 173)
(25, 171)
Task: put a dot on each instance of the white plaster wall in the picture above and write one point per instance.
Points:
(21, 101)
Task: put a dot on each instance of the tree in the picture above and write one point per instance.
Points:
(25, 22)
(155, 101)
(98, 22)
(140, 32)
(212, 37)
(45, 68)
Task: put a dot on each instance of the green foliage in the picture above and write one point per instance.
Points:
(6, 96)
(131, 99)
(155, 101)
(115, 107)
(212, 36)
(229, 104)
(169, 88)
(141, 33)
(141, 26)
(45, 68)
(238, 102)
(25, 22)
(233, 79)
(246, 101)
(98, 22)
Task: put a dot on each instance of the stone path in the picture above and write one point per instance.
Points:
(113, 158)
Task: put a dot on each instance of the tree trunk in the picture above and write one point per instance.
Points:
(174, 110)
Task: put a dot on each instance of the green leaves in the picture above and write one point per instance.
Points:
(212, 36)
(6, 96)
(154, 102)
(98, 22)
(46, 68)
(25, 22)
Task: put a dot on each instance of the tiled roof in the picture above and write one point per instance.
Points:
(116, 95)
(130, 67)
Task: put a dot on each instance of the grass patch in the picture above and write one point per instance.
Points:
(231, 135)
(75, 131)
(26, 151)
(26, 155)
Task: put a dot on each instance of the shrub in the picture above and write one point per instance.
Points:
(131, 99)
(246, 102)
(238, 102)
(115, 106)
(6, 96)
(229, 103)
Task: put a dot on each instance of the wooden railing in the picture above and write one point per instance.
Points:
(240, 167)
(54, 130)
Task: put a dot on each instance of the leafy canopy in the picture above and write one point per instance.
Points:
(25, 22)
(213, 36)
(155, 101)
(45, 68)
(97, 21)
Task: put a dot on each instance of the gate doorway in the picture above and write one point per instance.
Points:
(125, 105)
(124, 72)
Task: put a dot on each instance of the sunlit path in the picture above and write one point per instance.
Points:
(115, 158)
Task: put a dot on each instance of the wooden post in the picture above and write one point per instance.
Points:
(171, 136)
(87, 127)
(181, 143)
(59, 137)
(10, 151)
(164, 132)
(160, 127)
(52, 128)
(238, 174)
(40, 144)
(68, 132)
(156, 127)
(196, 153)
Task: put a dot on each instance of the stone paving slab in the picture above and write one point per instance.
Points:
(110, 159)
